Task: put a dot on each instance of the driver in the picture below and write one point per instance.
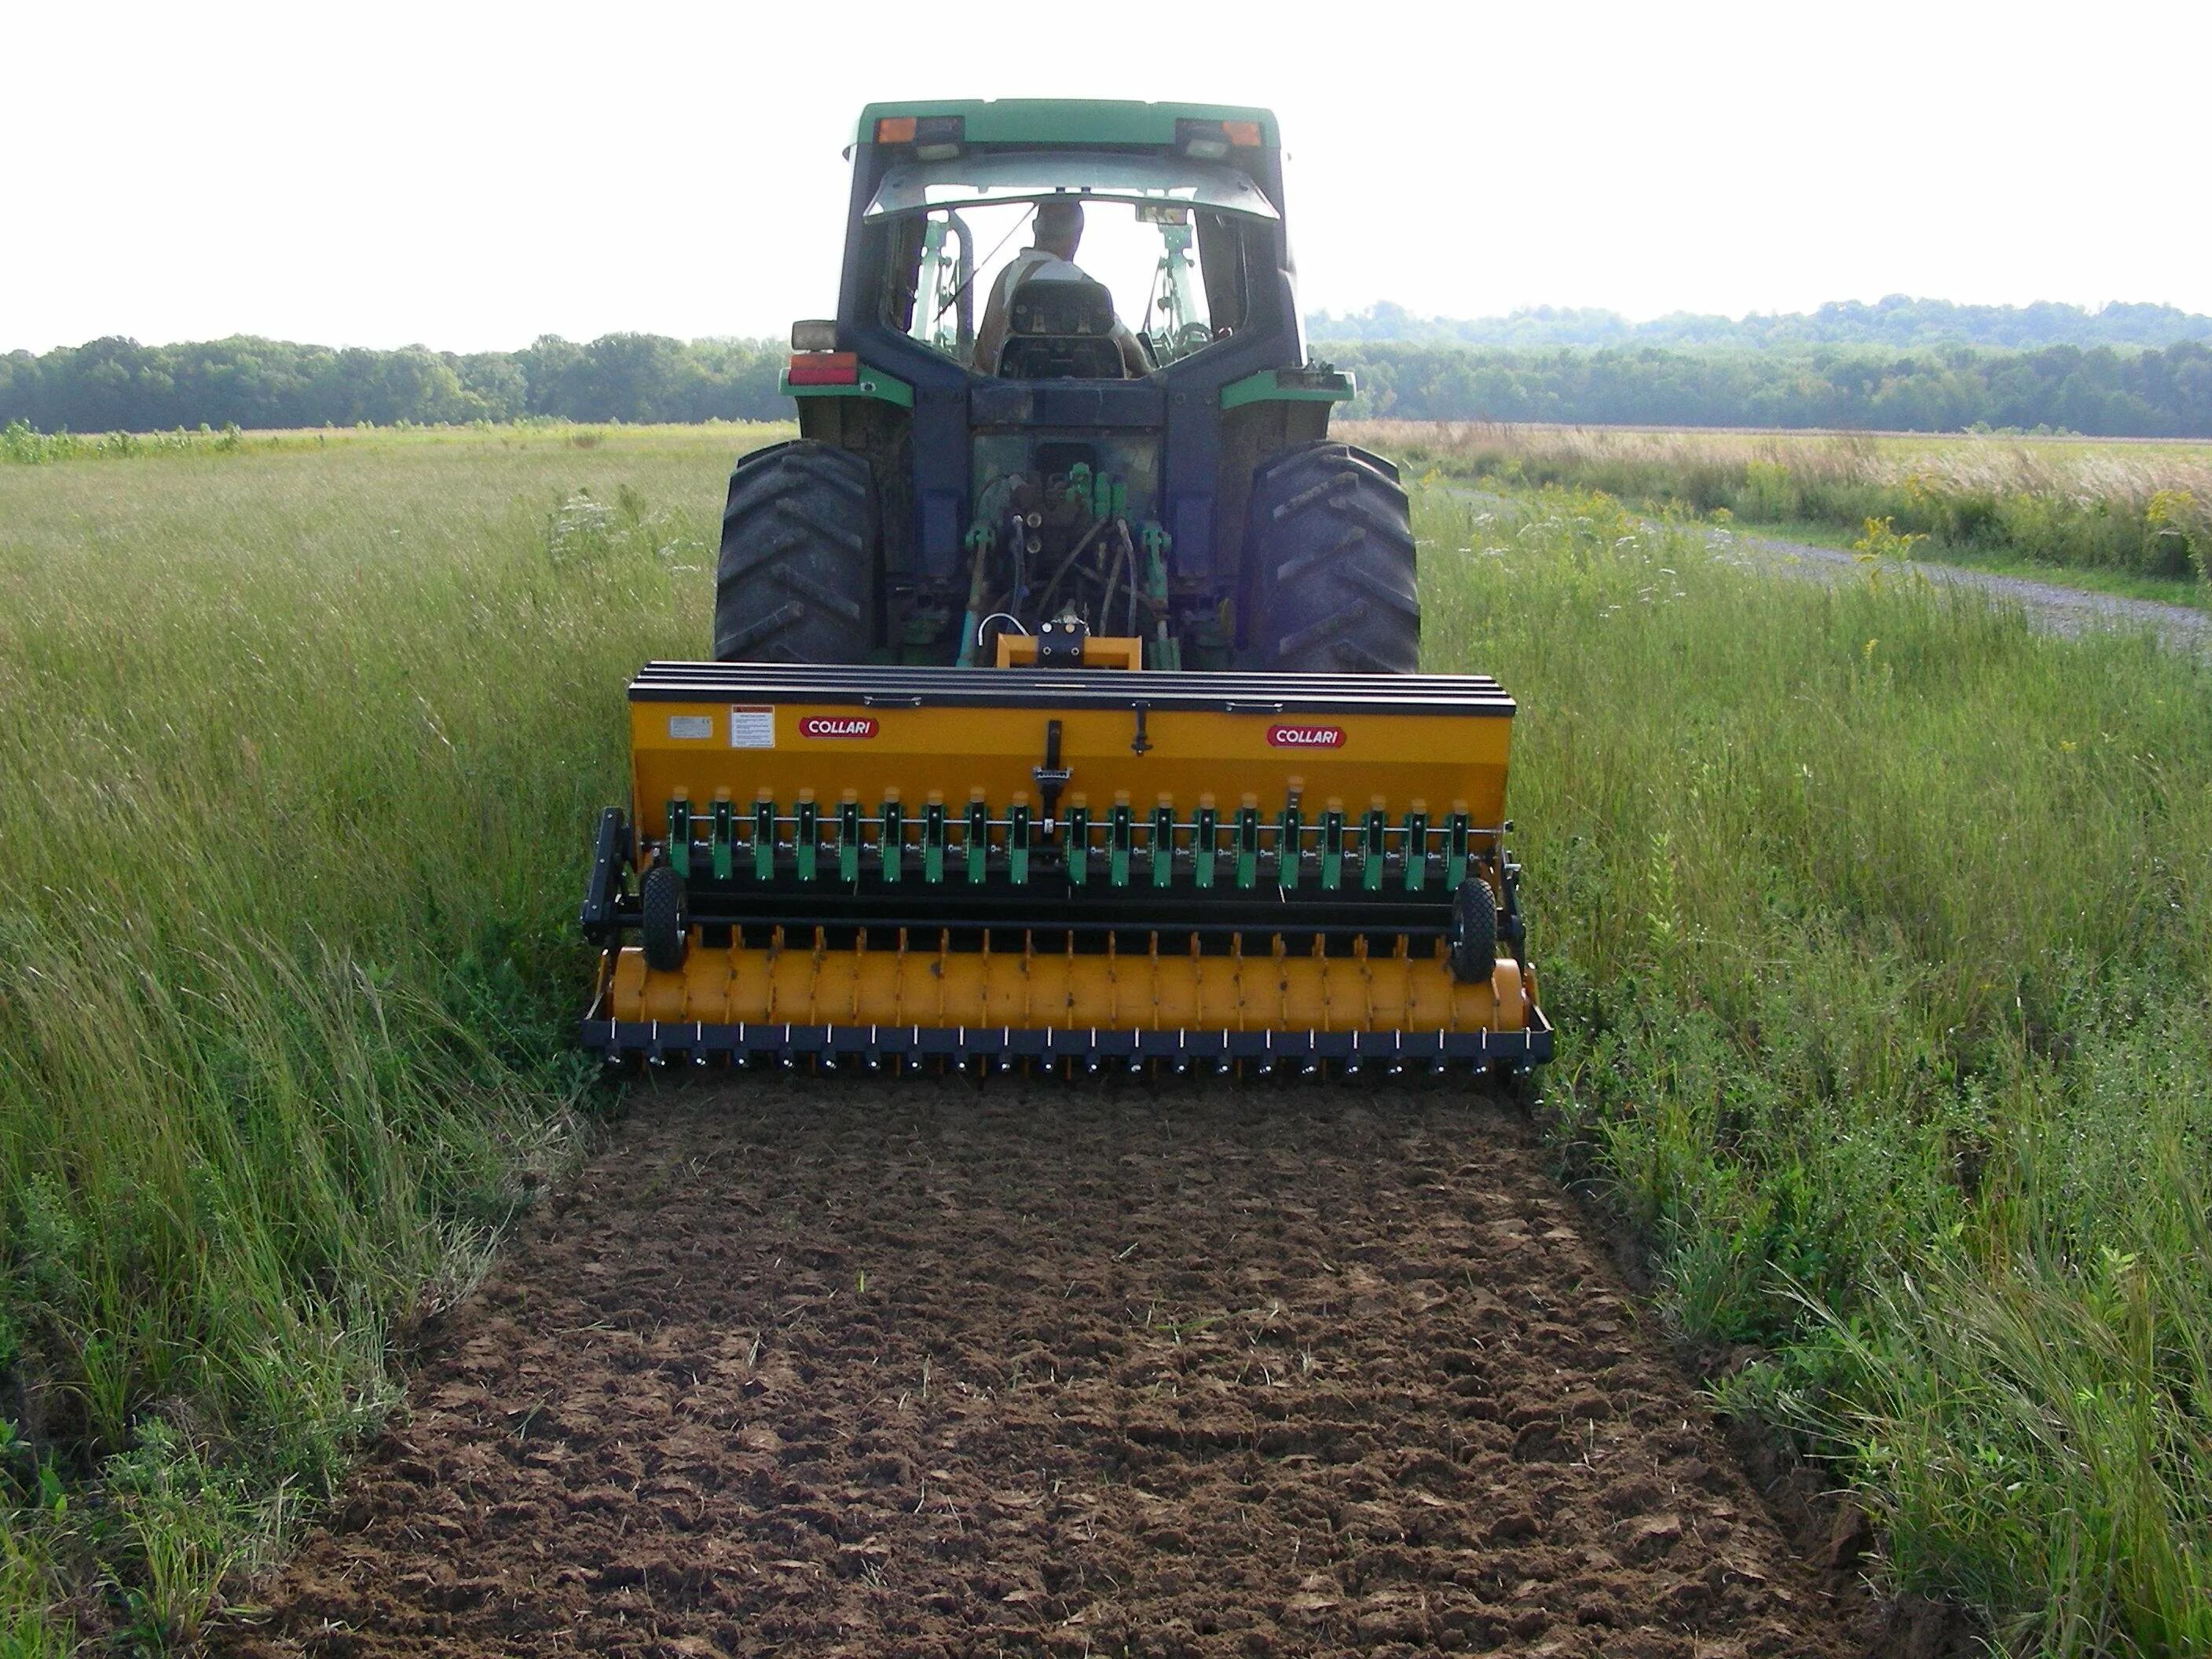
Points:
(1057, 228)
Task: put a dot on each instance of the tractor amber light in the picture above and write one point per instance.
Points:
(1245, 135)
(823, 368)
(895, 128)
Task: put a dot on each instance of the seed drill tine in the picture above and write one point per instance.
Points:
(810, 835)
(978, 847)
(679, 836)
(764, 840)
(849, 842)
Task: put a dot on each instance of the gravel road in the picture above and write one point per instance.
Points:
(921, 1366)
(2067, 611)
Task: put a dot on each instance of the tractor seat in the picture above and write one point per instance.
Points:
(1061, 328)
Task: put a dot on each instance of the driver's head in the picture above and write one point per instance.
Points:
(1058, 227)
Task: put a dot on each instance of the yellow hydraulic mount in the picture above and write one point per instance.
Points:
(1060, 861)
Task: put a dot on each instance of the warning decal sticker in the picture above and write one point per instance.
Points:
(753, 728)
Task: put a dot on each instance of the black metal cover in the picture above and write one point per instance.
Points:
(868, 686)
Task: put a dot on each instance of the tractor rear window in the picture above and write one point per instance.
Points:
(1031, 289)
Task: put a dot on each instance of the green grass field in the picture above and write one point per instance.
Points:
(1878, 928)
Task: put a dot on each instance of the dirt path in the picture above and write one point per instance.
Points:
(835, 1367)
(2066, 611)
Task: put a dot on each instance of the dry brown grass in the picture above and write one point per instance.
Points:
(2143, 509)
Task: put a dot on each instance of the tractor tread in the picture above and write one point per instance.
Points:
(1329, 553)
(796, 579)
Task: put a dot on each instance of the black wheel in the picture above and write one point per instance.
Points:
(1473, 931)
(1328, 555)
(665, 922)
(796, 581)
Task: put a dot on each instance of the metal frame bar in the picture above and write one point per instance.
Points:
(659, 1042)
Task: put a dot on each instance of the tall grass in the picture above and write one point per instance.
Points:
(1879, 929)
(2139, 510)
(295, 795)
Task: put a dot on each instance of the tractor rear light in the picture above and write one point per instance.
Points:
(938, 137)
(1211, 141)
(814, 334)
(823, 368)
(895, 128)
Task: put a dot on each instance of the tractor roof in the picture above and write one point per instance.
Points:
(1047, 121)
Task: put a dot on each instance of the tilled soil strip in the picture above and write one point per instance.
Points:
(820, 1366)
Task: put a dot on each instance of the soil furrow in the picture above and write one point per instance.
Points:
(817, 1366)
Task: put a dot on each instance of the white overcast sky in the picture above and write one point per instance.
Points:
(471, 175)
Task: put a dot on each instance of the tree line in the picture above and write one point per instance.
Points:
(2099, 391)
(1897, 320)
(119, 385)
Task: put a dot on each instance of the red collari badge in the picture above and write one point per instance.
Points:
(840, 726)
(1306, 737)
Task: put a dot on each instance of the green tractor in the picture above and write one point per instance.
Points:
(1066, 393)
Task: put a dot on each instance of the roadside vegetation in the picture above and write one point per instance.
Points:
(301, 751)
(1878, 927)
(2140, 515)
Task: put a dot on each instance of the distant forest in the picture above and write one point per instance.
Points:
(2101, 389)
(1898, 320)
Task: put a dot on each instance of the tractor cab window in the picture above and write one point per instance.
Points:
(982, 284)
(1026, 267)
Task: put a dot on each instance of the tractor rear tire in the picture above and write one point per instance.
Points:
(796, 581)
(1329, 550)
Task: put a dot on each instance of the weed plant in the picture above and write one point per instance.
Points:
(2142, 511)
(1878, 928)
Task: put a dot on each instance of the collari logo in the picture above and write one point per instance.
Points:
(825, 726)
(1306, 737)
